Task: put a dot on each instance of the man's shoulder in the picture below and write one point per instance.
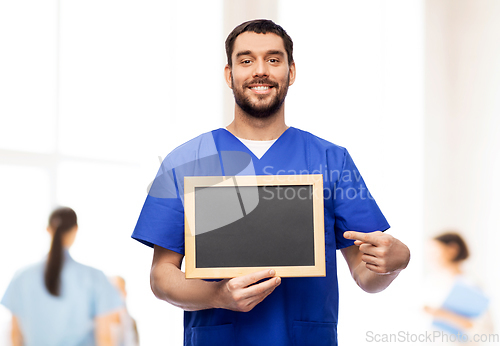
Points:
(319, 142)
(189, 157)
(202, 145)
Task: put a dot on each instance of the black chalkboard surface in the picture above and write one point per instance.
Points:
(238, 225)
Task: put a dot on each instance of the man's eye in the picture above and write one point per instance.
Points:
(246, 62)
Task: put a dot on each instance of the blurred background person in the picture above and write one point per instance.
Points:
(124, 328)
(59, 301)
(457, 303)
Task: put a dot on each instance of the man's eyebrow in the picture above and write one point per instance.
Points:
(276, 52)
(245, 52)
(269, 52)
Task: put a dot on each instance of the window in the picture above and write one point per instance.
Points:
(92, 94)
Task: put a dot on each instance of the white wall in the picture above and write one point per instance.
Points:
(462, 129)
(91, 94)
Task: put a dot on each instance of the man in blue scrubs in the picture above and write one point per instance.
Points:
(262, 309)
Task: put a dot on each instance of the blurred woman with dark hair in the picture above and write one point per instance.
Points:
(455, 250)
(59, 301)
(463, 310)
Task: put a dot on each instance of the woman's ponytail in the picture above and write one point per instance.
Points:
(61, 221)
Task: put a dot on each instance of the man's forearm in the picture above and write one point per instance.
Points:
(372, 282)
(241, 293)
(169, 283)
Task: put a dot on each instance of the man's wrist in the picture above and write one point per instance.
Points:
(216, 296)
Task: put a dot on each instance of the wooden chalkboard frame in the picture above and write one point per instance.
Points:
(314, 180)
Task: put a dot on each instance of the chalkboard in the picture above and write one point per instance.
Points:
(242, 224)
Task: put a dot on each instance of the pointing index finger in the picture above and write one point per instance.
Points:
(364, 237)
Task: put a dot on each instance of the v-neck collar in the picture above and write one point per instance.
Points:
(271, 148)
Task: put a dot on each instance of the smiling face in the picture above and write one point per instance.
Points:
(260, 74)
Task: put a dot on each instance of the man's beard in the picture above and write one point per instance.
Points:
(260, 111)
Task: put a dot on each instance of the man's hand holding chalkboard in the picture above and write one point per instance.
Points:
(375, 259)
(243, 293)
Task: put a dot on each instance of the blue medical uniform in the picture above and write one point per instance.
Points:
(300, 311)
(66, 320)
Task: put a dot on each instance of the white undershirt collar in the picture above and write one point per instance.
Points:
(258, 148)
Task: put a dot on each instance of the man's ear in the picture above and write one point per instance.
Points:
(292, 73)
(227, 76)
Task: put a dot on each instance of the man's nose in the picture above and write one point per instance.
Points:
(261, 68)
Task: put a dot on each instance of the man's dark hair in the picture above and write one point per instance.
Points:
(259, 26)
(452, 238)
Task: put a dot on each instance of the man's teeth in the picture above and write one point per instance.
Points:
(260, 88)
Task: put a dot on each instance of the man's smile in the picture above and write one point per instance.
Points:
(261, 88)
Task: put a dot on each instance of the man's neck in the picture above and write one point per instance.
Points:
(248, 127)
